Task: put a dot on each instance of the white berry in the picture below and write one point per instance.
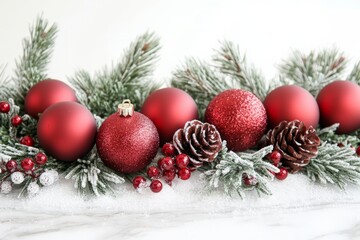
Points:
(17, 177)
(6, 187)
(33, 188)
(55, 174)
(47, 178)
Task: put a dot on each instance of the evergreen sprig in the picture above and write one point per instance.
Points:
(355, 73)
(232, 63)
(230, 169)
(128, 79)
(329, 135)
(314, 70)
(32, 65)
(335, 165)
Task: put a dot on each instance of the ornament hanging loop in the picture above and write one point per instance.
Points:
(126, 108)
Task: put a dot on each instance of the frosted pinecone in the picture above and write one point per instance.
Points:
(17, 177)
(47, 179)
(33, 188)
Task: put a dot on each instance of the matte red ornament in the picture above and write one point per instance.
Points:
(67, 131)
(169, 109)
(45, 94)
(239, 116)
(339, 102)
(127, 141)
(290, 102)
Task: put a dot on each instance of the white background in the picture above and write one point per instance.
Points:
(94, 33)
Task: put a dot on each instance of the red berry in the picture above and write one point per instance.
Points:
(166, 163)
(27, 164)
(182, 160)
(139, 181)
(153, 172)
(16, 120)
(27, 140)
(169, 175)
(184, 174)
(169, 150)
(275, 157)
(11, 166)
(358, 150)
(249, 181)
(40, 158)
(282, 174)
(4, 107)
(156, 186)
(340, 145)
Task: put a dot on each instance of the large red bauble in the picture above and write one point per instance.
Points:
(339, 102)
(127, 144)
(290, 102)
(67, 131)
(239, 116)
(169, 109)
(46, 93)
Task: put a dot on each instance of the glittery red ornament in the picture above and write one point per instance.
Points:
(339, 102)
(239, 116)
(288, 103)
(45, 94)
(127, 141)
(67, 131)
(169, 109)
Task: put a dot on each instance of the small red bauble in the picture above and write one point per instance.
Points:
(239, 116)
(169, 109)
(4, 107)
(127, 141)
(11, 165)
(182, 160)
(27, 164)
(27, 141)
(156, 186)
(275, 157)
(339, 103)
(168, 149)
(282, 174)
(67, 131)
(169, 175)
(184, 173)
(40, 159)
(139, 181)
(153, 172)
(16, 120)
(166, 163)
(291, 103)
(45, 94)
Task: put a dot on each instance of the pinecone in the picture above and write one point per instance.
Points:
(200, 141)
(295, 142)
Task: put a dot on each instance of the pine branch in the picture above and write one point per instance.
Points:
(355, 74)
(200, 81)
(315, 70)
(32, 65)
(230, 62)
(5, 84)
(129, 79)
(335, 165)
(230, 169)
(92, 176)
(328, 135)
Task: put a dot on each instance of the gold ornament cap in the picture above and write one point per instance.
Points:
(126, 108)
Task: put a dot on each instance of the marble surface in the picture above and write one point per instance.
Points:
(296, 210)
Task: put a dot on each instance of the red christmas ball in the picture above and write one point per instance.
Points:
(339, 102)
(127, 144)
(45, 94)
(291, 103)
(239, 116)
(67, 131)
(169, 109)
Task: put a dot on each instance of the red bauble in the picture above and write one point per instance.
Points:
(127, 144)
(169, 109)
(239, 116)
(339, 102)
(67, 131)
(45, 94)
(291, 103)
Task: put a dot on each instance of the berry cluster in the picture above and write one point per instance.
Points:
(167, 168)
(275, 158)
(29, 169)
